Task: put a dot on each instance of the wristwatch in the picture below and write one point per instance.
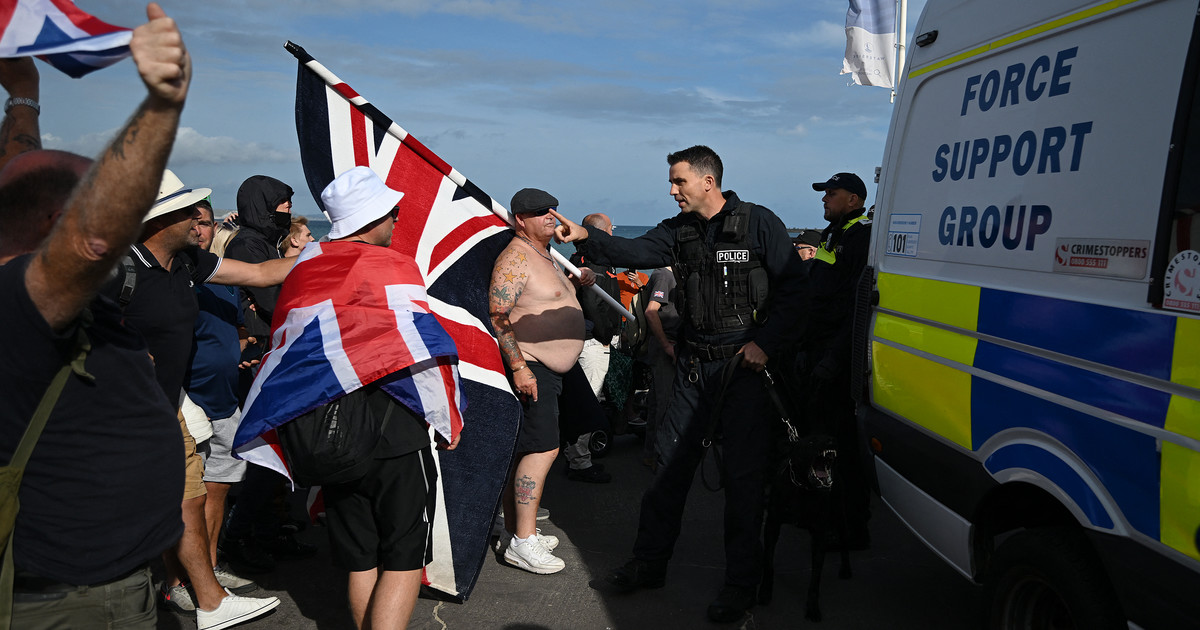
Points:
(21, 100)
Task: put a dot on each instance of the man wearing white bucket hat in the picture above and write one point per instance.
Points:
(161, 305)
(381, 524)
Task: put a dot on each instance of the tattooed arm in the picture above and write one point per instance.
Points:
(509, 276)
(104, 214)
(20, 131)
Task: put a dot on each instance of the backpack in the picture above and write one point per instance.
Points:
(636, 332)
(336, 442)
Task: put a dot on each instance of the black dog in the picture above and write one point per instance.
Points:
(802, 492)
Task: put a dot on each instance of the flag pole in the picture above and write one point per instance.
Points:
(901, 34)
(453, 175)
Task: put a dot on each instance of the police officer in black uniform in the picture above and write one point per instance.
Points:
(743, 293)
(825, 356)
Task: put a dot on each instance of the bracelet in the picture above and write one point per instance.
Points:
(21, 100)
(523, 367)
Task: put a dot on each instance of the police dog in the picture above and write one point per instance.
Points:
(802, 492)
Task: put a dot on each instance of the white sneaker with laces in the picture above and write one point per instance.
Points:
(532, 556)
(550, 541)
(233, 610)
(232, 583)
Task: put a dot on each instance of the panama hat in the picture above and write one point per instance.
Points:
(356, 198)
(173, 195)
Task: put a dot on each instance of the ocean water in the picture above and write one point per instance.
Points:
(320, 227)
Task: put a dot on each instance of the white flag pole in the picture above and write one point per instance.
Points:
(901, 34)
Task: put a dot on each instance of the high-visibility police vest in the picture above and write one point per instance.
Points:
(725, 286)
(830, 240)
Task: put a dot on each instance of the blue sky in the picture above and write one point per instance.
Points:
(583, 99)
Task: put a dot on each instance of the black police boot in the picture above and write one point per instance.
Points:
(731, 603)
(633, 575)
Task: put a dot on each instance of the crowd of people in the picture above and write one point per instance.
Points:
(137, 322)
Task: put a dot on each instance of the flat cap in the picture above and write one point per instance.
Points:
(532, 200)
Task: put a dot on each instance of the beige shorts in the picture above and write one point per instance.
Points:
(193, 477)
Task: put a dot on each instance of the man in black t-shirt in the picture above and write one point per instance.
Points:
(162, 307)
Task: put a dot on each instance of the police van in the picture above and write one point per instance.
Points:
(1028, 334)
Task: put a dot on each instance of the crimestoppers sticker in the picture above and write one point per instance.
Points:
(1182, 282)
(1102, 257)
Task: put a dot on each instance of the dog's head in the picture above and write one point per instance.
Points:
(809, 462)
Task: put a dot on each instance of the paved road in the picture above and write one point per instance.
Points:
(897, 584)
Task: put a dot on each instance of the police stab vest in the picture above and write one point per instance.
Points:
(725, 286)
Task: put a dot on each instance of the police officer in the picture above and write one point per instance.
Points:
(743, 291)
(825, 358)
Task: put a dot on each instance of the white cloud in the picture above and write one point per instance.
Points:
(798, 130)
(191, 147)
(821, 33)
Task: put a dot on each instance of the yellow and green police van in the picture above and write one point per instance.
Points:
(1028, 334)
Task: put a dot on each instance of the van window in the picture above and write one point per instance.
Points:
(1180, 229)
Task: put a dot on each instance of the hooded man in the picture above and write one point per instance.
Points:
(264, 207)
(253, 539)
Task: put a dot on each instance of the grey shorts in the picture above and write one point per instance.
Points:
(219, 462)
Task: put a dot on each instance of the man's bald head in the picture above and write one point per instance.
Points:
(34, 189)
(598, 220)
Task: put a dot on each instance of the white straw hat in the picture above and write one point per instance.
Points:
(173, 195)
(356, 198)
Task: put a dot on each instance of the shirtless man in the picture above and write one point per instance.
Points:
(539, 325)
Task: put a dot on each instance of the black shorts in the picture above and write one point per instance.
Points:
(539, 420)
(385, 519)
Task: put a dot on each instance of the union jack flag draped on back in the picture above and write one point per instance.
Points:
(454, 232)
(57, 32)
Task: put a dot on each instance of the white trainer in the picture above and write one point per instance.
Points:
(233, 610)
(499, 540)
(550, 541)
(532, 556)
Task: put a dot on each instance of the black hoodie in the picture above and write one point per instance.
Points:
(257, 242)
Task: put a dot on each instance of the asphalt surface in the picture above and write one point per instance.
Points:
(896, 584)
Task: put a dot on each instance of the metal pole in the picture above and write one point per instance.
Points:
(901, 34)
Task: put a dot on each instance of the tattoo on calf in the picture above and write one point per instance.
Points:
(524, 489)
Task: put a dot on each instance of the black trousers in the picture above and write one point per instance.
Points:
(744, 424)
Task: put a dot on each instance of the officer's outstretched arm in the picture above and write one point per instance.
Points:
(568, 231)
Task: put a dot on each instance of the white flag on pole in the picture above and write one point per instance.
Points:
(870, 42)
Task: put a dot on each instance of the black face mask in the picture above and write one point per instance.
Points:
(283, 220)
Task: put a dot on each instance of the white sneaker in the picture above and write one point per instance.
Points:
(234, 609)
(232, 583)
(550, 541)
(532, 556)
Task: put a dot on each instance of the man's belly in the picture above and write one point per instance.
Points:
(553, 338)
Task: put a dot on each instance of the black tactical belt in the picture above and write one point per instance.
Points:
(706, 352)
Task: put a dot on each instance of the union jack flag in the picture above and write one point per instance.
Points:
(346, 316)
(454, 231)
(57, 32)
